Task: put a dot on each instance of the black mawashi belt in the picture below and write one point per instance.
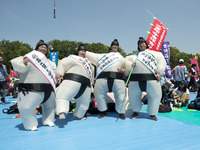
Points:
(78, 78)
(110, 78)
(36, 87)
(142, 77)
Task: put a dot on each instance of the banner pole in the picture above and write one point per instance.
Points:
(149, 27)
(155, 17)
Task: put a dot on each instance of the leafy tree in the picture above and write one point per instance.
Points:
(10, 50)
(64, 48)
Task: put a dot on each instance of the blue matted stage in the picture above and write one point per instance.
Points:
(99, 134)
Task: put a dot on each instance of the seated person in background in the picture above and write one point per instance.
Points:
(144, 98)
(181, 95)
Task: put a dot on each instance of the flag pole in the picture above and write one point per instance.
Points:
(155, 17)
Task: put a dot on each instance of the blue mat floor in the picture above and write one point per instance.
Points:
(99, 134)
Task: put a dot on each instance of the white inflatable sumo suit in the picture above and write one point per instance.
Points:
(148, 64)
(28, 101)
(77, 73)
(107, 72)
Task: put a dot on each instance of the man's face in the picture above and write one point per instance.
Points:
(81, 53)
(42, 49)
(114, 48)
(142, 46)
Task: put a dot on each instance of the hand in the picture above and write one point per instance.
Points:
(25, 61)
(120, 70)
(60, 80)
(158, 76)
(178, 98)
(133, 64)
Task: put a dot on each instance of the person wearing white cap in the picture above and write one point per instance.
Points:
(180, 73)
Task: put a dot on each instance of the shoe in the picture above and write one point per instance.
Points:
(134, 115)
(102, 115)
(34, 128)
(83, 118)
(121, 116)
(153, 117)
(3, 100)
(62, 116)
(88, 114)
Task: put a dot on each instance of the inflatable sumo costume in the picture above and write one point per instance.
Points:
(149, 65)
(108, 79)
(77, 74)
(36, 87)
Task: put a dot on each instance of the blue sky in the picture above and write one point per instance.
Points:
(93, 21)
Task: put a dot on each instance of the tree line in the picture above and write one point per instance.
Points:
(10, 50)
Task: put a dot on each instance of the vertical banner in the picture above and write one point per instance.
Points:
(156, 36)
(54, 57)
(165, 50)
(54, 10)
(195, 61)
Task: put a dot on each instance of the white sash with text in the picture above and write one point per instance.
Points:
(148, 60)
(41, 62)
(107, 60)
(86, 65)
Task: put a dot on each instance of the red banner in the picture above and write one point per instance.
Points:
(156, 36)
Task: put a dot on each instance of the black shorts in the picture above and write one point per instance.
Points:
(4, 85)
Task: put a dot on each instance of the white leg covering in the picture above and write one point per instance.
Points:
(100, 92)
(48, 110)
(119, 94)
(27, 105)
(67, 90)
(82, 103)
(154, 95)
(135, 94)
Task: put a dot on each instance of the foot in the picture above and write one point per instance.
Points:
(3, 100)
(62, 116)
(134, 115)
(51, 124)
(121, 116)
(34, 128)
(102, 115)
(153, 117)
(83, 118)
(88, 114)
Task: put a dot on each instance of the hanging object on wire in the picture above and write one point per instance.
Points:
(54, 11)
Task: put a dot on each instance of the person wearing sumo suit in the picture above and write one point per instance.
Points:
(109, 78)
(148, 66)
(35, 88)
(76, 71)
